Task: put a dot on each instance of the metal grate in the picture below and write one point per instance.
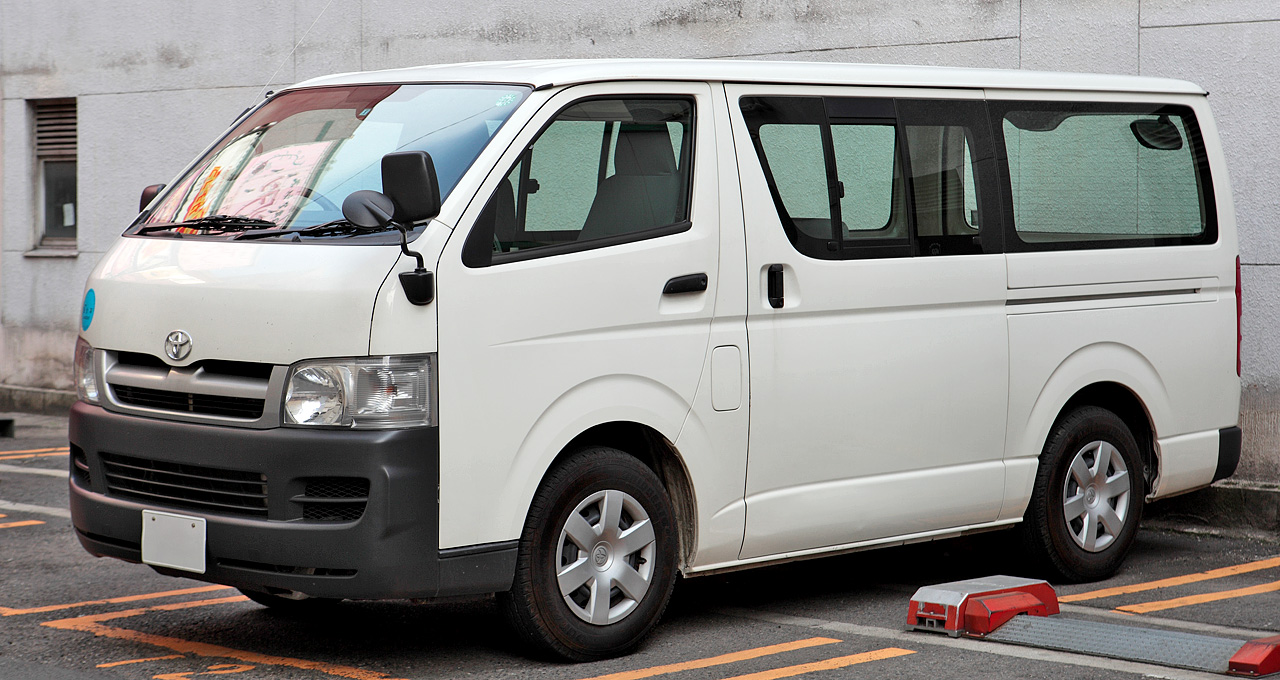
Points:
(187, 402)
(334, 499)
(1150, 645)
(55, 128)
(197, 487)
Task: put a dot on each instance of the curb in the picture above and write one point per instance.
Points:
(36, 400)
(1228, 504)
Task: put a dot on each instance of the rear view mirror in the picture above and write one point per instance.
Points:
(148, 194)
(1160, 134)
(409, 180)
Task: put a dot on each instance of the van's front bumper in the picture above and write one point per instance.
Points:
(391, 551)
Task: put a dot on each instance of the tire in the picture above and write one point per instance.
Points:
(285, 605)
(569, 537)
(1083, 517)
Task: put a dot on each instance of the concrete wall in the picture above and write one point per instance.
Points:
(156, 80)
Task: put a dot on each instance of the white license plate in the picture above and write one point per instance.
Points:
(174, 541)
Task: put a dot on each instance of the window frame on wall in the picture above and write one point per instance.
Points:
(999, 108)
(55, 141)
(478, 249)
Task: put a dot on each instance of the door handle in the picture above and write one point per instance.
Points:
(775, 286)
(689, 283)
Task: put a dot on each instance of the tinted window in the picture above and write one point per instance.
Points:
(603, 171)
(840, 161)
(1092, 175)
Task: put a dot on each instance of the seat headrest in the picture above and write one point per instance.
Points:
(644, 149)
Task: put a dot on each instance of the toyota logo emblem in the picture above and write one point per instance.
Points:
(177, 345)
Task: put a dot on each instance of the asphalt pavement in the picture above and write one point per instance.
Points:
(67, 615)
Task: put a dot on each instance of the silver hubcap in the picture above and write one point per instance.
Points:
(1096, 496)
(605, 561)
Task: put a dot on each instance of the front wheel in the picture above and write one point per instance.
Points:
(1088, 496)
(597, 558)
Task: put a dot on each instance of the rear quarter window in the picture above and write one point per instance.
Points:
(1089, 175)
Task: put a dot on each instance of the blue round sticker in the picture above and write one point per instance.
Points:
(86, 313)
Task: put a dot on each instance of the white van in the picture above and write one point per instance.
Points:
(563, 330)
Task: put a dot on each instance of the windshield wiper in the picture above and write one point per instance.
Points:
(335, 226)
(214, 222)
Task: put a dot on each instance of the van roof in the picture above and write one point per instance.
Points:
(558, 72)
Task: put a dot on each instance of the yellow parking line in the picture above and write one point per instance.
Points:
(716, 660)
(1160, 605)
(93, 624)
(826, 665)
(24, 523)
(1174, 581)
(113, 664)
(6, 611)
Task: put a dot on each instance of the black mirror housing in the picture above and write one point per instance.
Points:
(368, 209)
(148, 194)
(409, 179)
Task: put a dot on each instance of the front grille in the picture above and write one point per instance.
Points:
(234, 492)
(334, 499)
(206, 404)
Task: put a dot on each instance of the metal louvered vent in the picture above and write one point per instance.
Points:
(55, 128)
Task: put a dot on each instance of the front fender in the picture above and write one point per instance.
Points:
(605, 399)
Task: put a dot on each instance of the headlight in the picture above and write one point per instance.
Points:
(86, 379)
(364, 392)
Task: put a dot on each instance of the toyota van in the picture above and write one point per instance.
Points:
(566, 330)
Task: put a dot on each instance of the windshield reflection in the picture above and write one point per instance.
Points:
(293, 161)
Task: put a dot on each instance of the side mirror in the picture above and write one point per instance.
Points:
(368, 209)
(409, 179)
(148, 195)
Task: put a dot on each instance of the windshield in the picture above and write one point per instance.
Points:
(291, 163)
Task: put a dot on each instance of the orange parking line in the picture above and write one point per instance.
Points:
(826, 665)
(113, 664)
(6, 611)
(716, 660)
(1174, 581)
(33, 455)
(1160, 605)
(24, 523)
(63, 449)
(93, 624)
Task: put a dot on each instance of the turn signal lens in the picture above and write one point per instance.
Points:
(86, 378)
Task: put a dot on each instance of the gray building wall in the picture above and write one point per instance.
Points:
(156, 80)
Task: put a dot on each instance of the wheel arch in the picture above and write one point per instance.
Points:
(658, 454)
(1109, 375)
(1123, 402)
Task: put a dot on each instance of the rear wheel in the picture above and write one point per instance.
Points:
(597, 558)
(1088, 496)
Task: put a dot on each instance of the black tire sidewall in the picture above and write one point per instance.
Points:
(1079, 428)
(590, 471)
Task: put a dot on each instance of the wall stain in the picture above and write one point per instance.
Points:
(172, 55)
(32, 70)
